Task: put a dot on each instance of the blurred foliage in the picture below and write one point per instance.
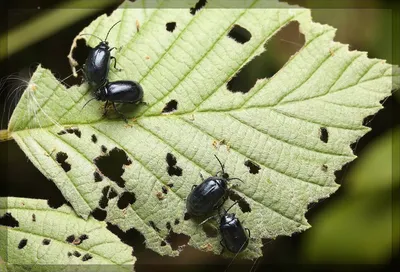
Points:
(359, 228)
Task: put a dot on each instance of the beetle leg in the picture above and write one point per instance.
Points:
(115, 63)
(223, 247)
(120, 113)
(201, 176)
(194, 186)
(105, 109)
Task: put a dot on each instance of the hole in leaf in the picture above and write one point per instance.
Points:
(8, 220)
(163, 243)
(131, 237)
(168, 226)
(187, 216)
(253, 167)
(153, 225)
(126, 199)
(199, 5)
(172, 168)
(56, 202)
(70, 239)
(33, 218)
(61, 158)
(323, 134)
(83, 237)
(243, 204)
(103, 148)
(22, 243)
(170, 185)
(103, 202)
(76, 254)
(170, 26)
(176, 222)
(112, 193)
(280, 47)
(170, 106)
(81, 51)
(324, 167)
(239, 34)
(210, 230)
(97, 176)
(75, 131)
(111, 165)
(176, 240)
(164, 189)
(99, 214)
(86, 257)
(69, 254)
(46, 242)
(94, 138)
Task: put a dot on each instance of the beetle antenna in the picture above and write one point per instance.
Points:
(235, 179)
(111, 28)
(90, 35)
(222, 166)
(236, 202)
(208, 219)
(88, 102)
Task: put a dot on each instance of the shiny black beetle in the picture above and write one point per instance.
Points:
(234, 237)
(208, 195)
(97, 64)
(122, 91)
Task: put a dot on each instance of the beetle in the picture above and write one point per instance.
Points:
(208, 195)
(122, 91)
(97, 63)
(234, 237)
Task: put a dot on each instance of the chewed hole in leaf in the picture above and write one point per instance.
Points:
(172, 168)
(81, 51)
(239, 34)
(113, 193)
(168, 225)
(153, 225)
(243, 204)
(99, 214)
(103, 202)
(22, 243)
(177, 240)
(111, 165)
(94, 138)
(46, 242)
(86, 257)
(77, 254)
(163, 243)
(131, 237)
(187, 216)
(70, 239)
(170, 26)
(210, 230)
(199, 5)
(61, 158)
(164, 190)
(170, 106)
(323, 134)
(103, 149)
(8, 220)
(56, 202)
(253, 167)
(97, 176)
(176, 222)
(126, 199)
(279, 48)
(324, 167)
(75, 131)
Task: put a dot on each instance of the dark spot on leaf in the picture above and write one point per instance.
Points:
(77, 254)
(62, 132)
(103, 202)
(199, 5)
(187, 216)
(46, 242)
(168, 225)
(126, 199)
(86, 257)
(164, 189)
(61, 158)
(69, 254)
(75, 131)
(170, 26)
(253, 167)
(172, 168)
(22, 243)
(323, 134)
(176, 240)
(239, 34)
(170, 106)
(243, 204)
(83, 237)
(153, 225)
(8, 220)
(112, 193)
(163, 243)
(210, 230)
(70, 239)
(324, 167)
(99, 214)
(94, 138)
(281, 47)
(111, 165)
(170, 185)
(33, 217)
(97, 176)
(103, 148)
(176, 222)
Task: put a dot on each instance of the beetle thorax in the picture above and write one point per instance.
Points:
(228, 219)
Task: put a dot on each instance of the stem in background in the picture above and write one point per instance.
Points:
(50, 22)
(5, 135)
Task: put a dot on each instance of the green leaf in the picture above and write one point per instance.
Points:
(279, 125)
(38, 238)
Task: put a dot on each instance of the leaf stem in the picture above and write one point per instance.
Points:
(5, 135)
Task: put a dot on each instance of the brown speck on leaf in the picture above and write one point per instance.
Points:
(331, 51)
(191, 117)
(147, 57)
(137, 25)
(160, 195)
(77, 241)
(207, 247)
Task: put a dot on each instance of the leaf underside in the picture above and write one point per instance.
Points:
(35, 237)
(296, 126)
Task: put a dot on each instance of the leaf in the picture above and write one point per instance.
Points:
(39, 238)
(295, 126)
(360, 227)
